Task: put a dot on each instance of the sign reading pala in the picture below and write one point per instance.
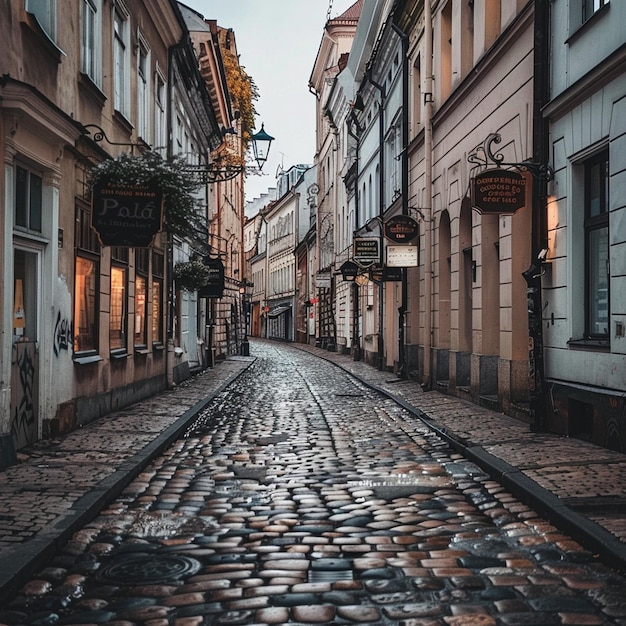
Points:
(498, 191)
(126, 215)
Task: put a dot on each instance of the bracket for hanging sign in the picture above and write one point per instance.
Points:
(485, 157)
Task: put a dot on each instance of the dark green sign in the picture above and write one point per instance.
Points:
(215, 287)
(126, 215)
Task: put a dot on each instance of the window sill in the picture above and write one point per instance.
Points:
(143, 350)
(593, 345)
(30, 23)
(87, 359)
(158, 346)
(92, 89)
(118, 355)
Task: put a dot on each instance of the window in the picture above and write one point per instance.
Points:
(87, 263)
(45, 12)
(158, 266)
(28, 199)
(159, 115)
(589, 7)
(121, 50)
(141, 296)
(91, 47)
(597, 309)
(583, 10)
(143, 92)
(117, 319)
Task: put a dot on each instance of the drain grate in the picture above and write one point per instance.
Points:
(146, 570)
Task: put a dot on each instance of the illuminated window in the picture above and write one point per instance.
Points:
(117, 315)
(86, 285)
(157, 298)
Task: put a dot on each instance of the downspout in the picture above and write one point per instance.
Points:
(356, 339)
(405, 192)
(541, 87)
(428, 208)
(381, 209)
(171, 305)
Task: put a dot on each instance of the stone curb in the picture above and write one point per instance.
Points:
(588, 533)
(20, 563)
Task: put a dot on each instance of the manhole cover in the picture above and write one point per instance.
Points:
(158, 568)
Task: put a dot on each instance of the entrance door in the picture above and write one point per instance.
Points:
(25, 350)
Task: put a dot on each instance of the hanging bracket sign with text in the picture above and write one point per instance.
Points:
(366, 251)
(401, 229)
(126, 215)
(498, 191)
(216, 284)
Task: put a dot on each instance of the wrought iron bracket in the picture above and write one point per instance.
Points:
(484, 156)
(99, 135)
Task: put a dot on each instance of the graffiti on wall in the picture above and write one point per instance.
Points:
(23, 424)
(62, 334)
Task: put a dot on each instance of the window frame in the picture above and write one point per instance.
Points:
(91, 41)
(121, 60)
(144, 87)
(32, 221)
(87, 250)
(595, 221)
(45, 12)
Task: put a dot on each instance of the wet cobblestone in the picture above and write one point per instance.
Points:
(301, 496)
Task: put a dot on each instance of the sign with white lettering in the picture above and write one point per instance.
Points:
(366, 251)
(498, 191)
(126, 215)
(215, 287)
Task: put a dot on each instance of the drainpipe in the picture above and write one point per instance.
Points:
(356, 339)
(428, 209)
(381, 210)
(405, 192)
(541, 88)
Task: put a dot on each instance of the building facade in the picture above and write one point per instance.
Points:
(583, 283)
(90, 327)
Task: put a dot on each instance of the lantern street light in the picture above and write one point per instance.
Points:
(261, 143)
(244, 291)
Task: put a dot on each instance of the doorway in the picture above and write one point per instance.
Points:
(25, 348)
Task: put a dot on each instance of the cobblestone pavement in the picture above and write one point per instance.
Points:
(300, 495)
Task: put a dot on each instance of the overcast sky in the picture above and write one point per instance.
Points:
(277, 42)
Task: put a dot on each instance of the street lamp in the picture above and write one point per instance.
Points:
(245, 299)
(261, 143)
(219, 170)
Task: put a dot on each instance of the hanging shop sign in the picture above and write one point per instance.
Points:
(385, 274)
(215, 287)
(126, 215)
(402, 256)
(323, 280)
(366, 251)
(498, 191)
(401, 229)
(349, 270)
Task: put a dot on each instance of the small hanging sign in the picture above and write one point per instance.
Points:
(498, 191)
(401, 229)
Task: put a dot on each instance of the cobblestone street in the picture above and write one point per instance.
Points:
(302, 496)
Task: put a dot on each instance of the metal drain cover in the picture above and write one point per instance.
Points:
(158, 568)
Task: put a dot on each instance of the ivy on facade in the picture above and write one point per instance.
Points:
(191, 275)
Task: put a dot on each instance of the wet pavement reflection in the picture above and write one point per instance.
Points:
(300, 496)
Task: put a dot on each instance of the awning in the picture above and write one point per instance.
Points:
(279, 310)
